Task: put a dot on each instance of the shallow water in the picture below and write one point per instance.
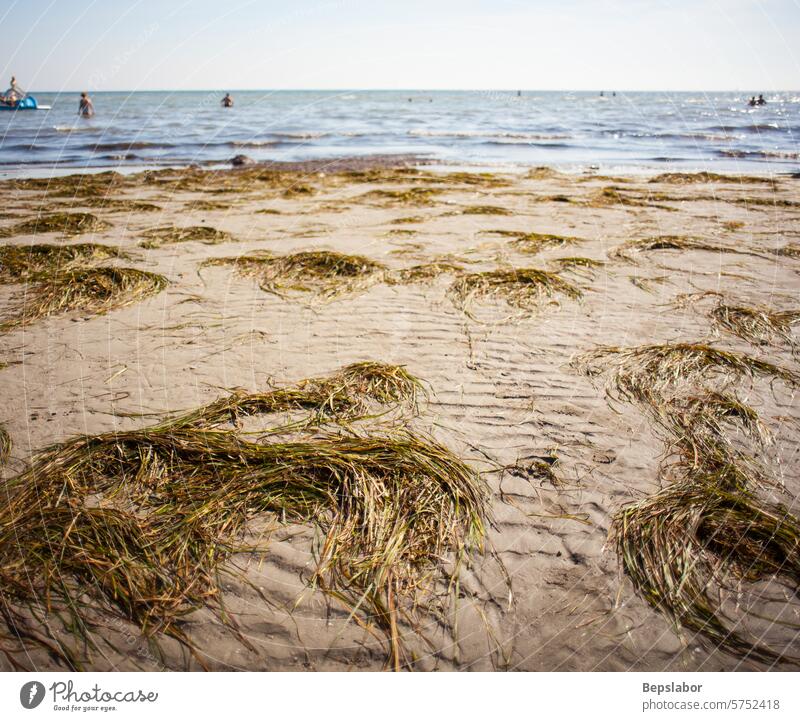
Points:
(715, 131)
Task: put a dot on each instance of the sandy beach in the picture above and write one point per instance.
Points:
(495, 291)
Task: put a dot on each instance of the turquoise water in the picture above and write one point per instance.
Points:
(715, 131)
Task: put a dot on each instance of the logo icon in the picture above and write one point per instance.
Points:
(31, 694)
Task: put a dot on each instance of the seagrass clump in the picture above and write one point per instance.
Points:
(324, 273)
(542, 172)
(485, 210)
(759, 326)
(611, 195)
(347, 395)
(91, 185)
(532, 243)
(643, 373)
(23, 262)
(5, 446)
(89, 290)
(707, 550)
(648, 284)
(707, 177)
(525, 289)
(629, 250)
(422, 273)
(419, 195)
(138, 525)
(790, 250)
(680, 546)
(577, 265)
(203, 204)
(168, 234)
(767, 201)
(67, 224)
(401, 233)
(485, 180)
(113, 205)
(704, 420)
(706, 536)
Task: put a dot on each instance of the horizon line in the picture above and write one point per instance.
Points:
(414, 90)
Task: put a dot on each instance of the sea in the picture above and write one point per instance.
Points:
(570, 131)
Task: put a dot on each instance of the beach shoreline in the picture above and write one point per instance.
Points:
(349, 163)
(489, 287)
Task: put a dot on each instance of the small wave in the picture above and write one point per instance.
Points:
(710, 137)
(76, 129)
(754, 128)
(255, 143)
(420, 133)
(25, 147)
(301, 136)
(131, 145)
(511, 141)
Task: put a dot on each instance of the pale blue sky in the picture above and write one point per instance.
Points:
(436, 44)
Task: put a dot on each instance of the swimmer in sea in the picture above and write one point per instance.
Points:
(85, 106)
(227, 101)
(761, 100)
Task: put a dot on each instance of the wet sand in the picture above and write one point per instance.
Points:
(503, 390)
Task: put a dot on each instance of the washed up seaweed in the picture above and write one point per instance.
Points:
(422, 273)
(5, 446)
(168, 234)
(90, 290)
(171, 503)
(525, 289)
(406, 196)
(23, 262)
(759, 326)
(682, 545)
(66, 224)
(484, 210)
(629, 250)
(324, 273)
(641, 373)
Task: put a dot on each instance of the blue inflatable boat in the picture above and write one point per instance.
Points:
(27, 103)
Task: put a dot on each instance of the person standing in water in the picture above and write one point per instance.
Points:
(85, 106)
(227, 101)
(761, 100)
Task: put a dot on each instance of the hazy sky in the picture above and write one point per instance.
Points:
(436, 44)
